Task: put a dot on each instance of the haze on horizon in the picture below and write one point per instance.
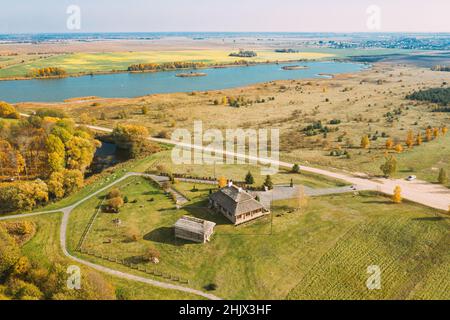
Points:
(50, 16)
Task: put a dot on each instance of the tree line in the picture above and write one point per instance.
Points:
(47, 72)
(165, 66)
(440, 96)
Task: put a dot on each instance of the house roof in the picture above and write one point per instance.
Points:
(236, 200)
(194, 225)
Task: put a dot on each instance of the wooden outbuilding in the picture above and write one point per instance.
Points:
(194, 229)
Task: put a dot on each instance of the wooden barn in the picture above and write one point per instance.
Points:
(236, 204)
(194, 229)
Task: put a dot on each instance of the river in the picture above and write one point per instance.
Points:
(120, 85)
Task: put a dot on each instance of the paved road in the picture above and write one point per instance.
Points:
(63, 236)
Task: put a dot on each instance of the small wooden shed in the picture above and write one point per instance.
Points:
(194, 229)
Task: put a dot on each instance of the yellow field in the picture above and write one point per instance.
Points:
(104, 62)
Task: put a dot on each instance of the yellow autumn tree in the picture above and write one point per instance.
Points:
(365, 142)
(222, 182)
(410, 139)
(428, 134)
(444, 130)
(397, 197)
(224, 101)
(399, 148)
(435, 132)
(419, 139)
(389, 143)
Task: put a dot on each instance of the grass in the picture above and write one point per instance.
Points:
(320, 252)
(44, 248)
(237, 172)
(104, 62)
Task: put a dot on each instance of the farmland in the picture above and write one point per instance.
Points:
(75, 63)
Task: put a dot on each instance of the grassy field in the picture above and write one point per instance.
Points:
(44, 248)
(104, 62)
(320, 252)
(235, 172)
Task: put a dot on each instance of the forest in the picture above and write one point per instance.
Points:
(439, 96)
(42, 158)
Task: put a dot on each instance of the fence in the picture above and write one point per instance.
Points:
(133, 266)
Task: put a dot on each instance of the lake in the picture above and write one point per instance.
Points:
(121, 85)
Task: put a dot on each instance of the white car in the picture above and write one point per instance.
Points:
(411, 178)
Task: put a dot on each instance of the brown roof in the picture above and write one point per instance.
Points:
(236, 200)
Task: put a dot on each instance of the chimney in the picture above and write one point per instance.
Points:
(240, 189)
(230, 183)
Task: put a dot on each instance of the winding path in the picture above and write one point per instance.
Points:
(63, 236)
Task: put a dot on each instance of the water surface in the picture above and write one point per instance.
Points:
(120, 85)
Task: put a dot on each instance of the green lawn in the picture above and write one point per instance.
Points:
(321, 252)
(237, 172)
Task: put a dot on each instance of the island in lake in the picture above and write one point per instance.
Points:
(294, 67)
(191, 74)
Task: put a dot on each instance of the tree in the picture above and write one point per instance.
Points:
(296, 168)
(151, 254)
(389, 143)
(80, 152)
(443, 178)
(73, 181)
(133, 139)
(224, 101)
(435, 133)
(9, 251)
(115, 204)
(399, 148)
(222, 182)
(397, 197)
(56, 152)
(144, 109)
(410, 139)
(249, 178)
(428, 134)
(8, 111)
(365, 142)
(419, 139)
(22, 195)
(114, 193)
(444, 130)
(389, 167)
(268, 182)
(56, 185)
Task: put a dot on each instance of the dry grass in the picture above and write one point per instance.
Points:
(360, 101)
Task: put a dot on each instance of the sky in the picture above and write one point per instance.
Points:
(35, 16)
